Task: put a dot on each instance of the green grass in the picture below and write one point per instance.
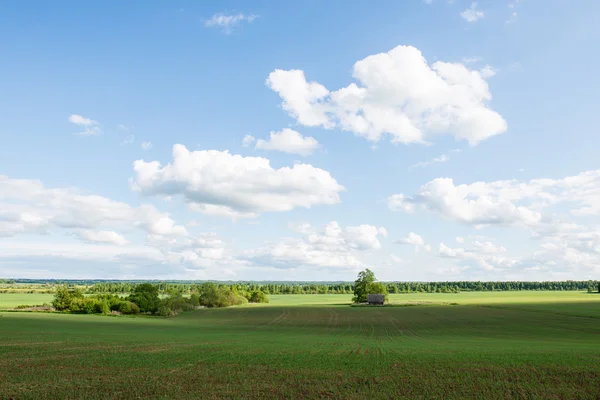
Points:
(493, 346)
(11, 300)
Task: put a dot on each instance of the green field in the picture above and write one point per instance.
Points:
(491, 346)
(11, 300)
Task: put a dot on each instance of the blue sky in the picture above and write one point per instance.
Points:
(435, 140)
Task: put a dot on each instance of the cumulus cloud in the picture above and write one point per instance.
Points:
(472, 14)
(332, 246)
(414, 240)
(90, 126)
(227, 22)
(102, 224)
(576, 251)
(29, 207)
(560, 255)
(485, 255)
(397, 94)
(287, 141)
(509, 202)
(211, 180)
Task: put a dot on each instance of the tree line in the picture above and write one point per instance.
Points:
(348, 287)
(145, 298)
(187, 287)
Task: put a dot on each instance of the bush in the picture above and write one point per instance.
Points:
(146, 297)
(258, 297)
(83, 306)
(236, 300)
(164, 311)
(377, 288)
(195, 300)
(65, 298)
(101, 307)
(212, 295)
(127, 307)
(112, 300)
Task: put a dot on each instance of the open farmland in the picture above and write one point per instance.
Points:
(516, 348)
(11, 300)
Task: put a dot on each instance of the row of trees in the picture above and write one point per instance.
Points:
(145, 298)
(349, 288)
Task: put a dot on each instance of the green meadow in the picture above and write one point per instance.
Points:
(11, 300)
(483, 345)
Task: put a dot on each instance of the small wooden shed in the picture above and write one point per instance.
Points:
(376, 299)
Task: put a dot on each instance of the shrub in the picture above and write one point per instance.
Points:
(377, 288)
(101, 307)
(146, 297)
(212, 295)
(112, 300)
(83, 306)
(164, 311)
(65, 297)
(194, 299)
(258, 297)
(127, 307)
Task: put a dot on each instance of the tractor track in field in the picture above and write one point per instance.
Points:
(406, 328)
(282, 317)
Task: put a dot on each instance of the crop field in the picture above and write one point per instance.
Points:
(11, 300)
(490, 346)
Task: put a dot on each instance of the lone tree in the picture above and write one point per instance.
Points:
(365, 284)
(360, 285)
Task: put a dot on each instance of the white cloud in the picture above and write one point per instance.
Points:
(329, 247)
(81, 121)
(397, 94)
(472, 14)
(91, 127)
(460, 239)
(248, 140)
(576, 251)
(29, 207)
(301, 99)
(146, 145)
(422, 164)
(485, 255)
(288, 141)
(414, 240)
(487, 71)
(227, 22)
(471, 60)
(110, 237)
(511, 202)
(242, 186)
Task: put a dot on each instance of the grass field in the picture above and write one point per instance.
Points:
(493, 345)
(11, 300)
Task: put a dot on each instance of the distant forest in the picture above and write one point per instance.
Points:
(121, 287)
